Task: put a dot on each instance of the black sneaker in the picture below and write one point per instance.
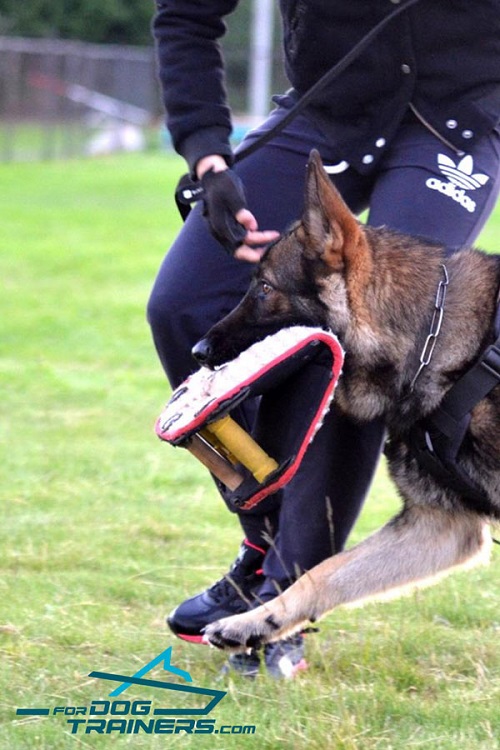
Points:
(285, 658)
(231, 595)
(282, 659)
(247, 664)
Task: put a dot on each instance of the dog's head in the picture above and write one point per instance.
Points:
(301, 279)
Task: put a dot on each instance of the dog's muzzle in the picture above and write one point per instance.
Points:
(294, 373)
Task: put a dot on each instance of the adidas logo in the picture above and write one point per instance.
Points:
(460, 178)
(461, 174)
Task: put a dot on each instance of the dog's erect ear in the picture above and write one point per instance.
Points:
(332, 230)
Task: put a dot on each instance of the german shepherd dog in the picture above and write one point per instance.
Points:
(376, 290)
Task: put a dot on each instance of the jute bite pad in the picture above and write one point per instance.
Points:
(294, 372)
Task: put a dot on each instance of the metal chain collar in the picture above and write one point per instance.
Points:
(436, 322)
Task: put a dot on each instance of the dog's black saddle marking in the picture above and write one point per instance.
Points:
(436, 440)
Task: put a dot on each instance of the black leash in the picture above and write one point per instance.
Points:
(323, 82)
(189, 191)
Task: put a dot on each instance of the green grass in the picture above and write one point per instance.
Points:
(35, 141)
(105, 529)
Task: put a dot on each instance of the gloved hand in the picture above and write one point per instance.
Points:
(223, 196)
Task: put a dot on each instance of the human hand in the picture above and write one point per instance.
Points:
(223, 199)
(231, 222)
(255, 241)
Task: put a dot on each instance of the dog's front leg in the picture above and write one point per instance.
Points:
(412, 549)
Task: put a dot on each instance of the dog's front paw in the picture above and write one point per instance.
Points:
(241, 632)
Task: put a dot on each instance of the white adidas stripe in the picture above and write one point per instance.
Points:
(460, 179)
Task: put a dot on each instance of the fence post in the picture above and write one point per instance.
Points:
(261, 57)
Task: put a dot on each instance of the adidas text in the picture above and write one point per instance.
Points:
(453, 192)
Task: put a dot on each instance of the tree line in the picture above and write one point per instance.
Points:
(98, 21)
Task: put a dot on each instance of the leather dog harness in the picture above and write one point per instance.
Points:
(437, 439)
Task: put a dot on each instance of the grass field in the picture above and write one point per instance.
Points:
(104, 529)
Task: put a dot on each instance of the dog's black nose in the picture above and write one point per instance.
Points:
(202, 351)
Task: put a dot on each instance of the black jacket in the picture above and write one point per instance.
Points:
(441, 57)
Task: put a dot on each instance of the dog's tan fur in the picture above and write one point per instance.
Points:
(376, 290)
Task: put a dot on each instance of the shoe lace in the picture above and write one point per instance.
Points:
(222, 589)
(234, 584)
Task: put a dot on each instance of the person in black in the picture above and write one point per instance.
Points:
(410, 131)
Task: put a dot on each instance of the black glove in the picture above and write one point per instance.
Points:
(223, 196)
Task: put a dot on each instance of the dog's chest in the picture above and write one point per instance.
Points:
(366, 395)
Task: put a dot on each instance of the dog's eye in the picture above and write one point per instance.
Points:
(265, 287)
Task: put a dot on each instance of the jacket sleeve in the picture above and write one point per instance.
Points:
(192, 77)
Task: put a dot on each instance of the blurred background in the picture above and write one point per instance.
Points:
(78, 77)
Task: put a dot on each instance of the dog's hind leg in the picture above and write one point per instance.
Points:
(412, 549)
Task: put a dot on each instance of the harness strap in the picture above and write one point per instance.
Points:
(472, 387)
(469, 390)
(437, 439)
